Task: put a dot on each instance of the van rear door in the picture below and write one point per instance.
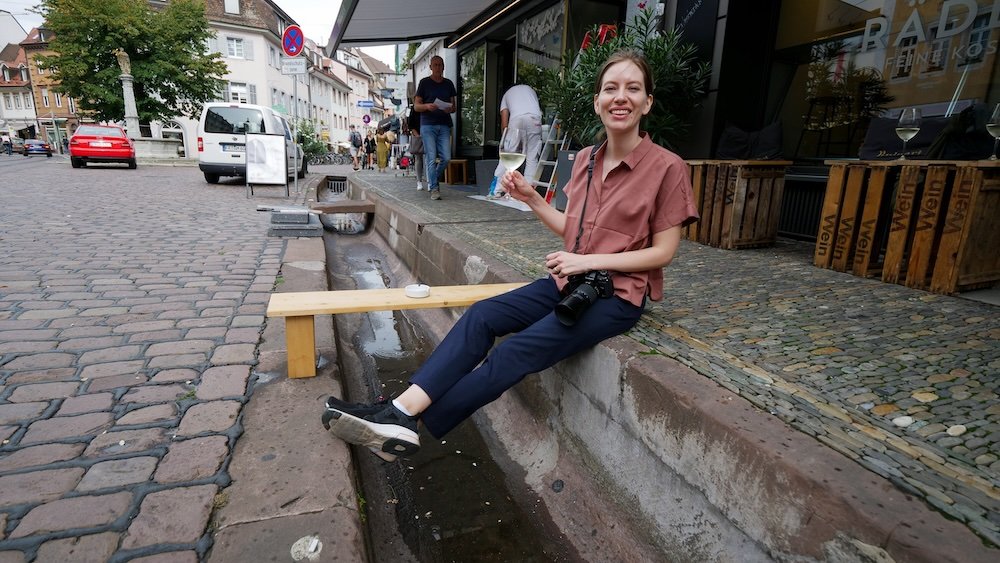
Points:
(225, 132)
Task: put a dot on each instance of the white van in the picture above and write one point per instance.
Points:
(222, 139)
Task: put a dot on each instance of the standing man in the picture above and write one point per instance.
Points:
(7, 145)
(435, 100)
(519, 108)
(355, 139)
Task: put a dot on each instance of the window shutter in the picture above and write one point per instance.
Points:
(226, 94)
(248, 50)
(253, 93)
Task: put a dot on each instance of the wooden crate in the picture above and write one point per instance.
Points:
(912, 222)
(738, 200)
(968, 255)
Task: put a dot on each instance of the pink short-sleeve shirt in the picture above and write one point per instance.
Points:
(649, 192)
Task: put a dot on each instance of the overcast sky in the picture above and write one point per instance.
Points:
(315, 17)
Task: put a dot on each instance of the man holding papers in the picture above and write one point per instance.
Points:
(435, 101)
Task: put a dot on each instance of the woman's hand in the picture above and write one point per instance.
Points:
(562, 264)
(520, 189)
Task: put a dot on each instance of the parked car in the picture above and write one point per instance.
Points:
(222, 135)
(16, 144)
(36, 146)
(100, 143)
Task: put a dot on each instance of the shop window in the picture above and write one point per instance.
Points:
(539, 47)
(472, 87)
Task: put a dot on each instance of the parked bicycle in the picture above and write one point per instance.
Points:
(330, 158)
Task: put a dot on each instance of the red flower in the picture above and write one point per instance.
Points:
(642, 5)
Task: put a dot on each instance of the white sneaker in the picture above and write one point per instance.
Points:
(420, 185)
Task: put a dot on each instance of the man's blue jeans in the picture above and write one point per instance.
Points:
(437, 151)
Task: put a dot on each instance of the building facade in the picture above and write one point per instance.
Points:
(17, 104)
(55, 114)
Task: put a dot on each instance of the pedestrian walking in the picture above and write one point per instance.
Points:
(628, 199)
(354, 138)
(435, 100)
(7, 144)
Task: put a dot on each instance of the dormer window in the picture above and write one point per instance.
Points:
(232, 6)
(6, 73)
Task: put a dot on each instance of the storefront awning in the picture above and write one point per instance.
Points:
(386, 22)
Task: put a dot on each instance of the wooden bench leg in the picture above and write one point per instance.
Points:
(300, 340)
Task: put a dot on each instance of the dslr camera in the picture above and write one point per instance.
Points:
(581, 291)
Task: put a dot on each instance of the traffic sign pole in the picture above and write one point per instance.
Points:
(292, 41)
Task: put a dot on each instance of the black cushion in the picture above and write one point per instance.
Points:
(737, 144)
(881, 142)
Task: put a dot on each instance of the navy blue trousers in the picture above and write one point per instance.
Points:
(457, 387)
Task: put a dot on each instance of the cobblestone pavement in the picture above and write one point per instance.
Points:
(131, 304)
(902, 381)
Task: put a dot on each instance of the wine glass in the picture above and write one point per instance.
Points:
(907, 127)
(993, 126)
(513, 148)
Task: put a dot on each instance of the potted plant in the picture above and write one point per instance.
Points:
(679, 80)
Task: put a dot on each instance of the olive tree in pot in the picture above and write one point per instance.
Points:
(679, 82)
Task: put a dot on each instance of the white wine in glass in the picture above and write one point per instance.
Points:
(993, 126)
(907, 127)
(513, 148)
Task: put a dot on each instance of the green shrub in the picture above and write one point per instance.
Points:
(679, 82)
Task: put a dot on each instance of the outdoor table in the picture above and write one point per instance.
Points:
(927, 224)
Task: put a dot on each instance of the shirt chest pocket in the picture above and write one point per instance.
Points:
(626, 215)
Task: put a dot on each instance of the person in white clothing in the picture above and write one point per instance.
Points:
(519, 108)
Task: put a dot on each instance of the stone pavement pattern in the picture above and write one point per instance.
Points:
(838, 357)
(131, 305)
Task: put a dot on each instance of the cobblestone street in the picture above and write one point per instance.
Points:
(131, 304)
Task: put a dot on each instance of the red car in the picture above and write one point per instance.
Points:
(100, 143)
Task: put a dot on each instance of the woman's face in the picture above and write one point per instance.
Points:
(622, 100)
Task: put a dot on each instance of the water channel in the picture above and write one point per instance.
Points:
(452, 501)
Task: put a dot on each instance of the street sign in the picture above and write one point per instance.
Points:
(367, 119)
(366, 104)
(292, 41)
(290, 65)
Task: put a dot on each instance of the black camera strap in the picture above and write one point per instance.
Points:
(586, 196)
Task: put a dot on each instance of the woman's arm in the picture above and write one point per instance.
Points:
(658, 255)
(521, 190)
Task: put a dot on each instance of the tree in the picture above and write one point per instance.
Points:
(173, 73)
(312, 146)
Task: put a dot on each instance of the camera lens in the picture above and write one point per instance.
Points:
(568, 310)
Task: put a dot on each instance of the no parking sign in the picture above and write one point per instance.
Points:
(292, 41)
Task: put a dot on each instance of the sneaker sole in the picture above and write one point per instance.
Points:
(388, 438)
(387, 457)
